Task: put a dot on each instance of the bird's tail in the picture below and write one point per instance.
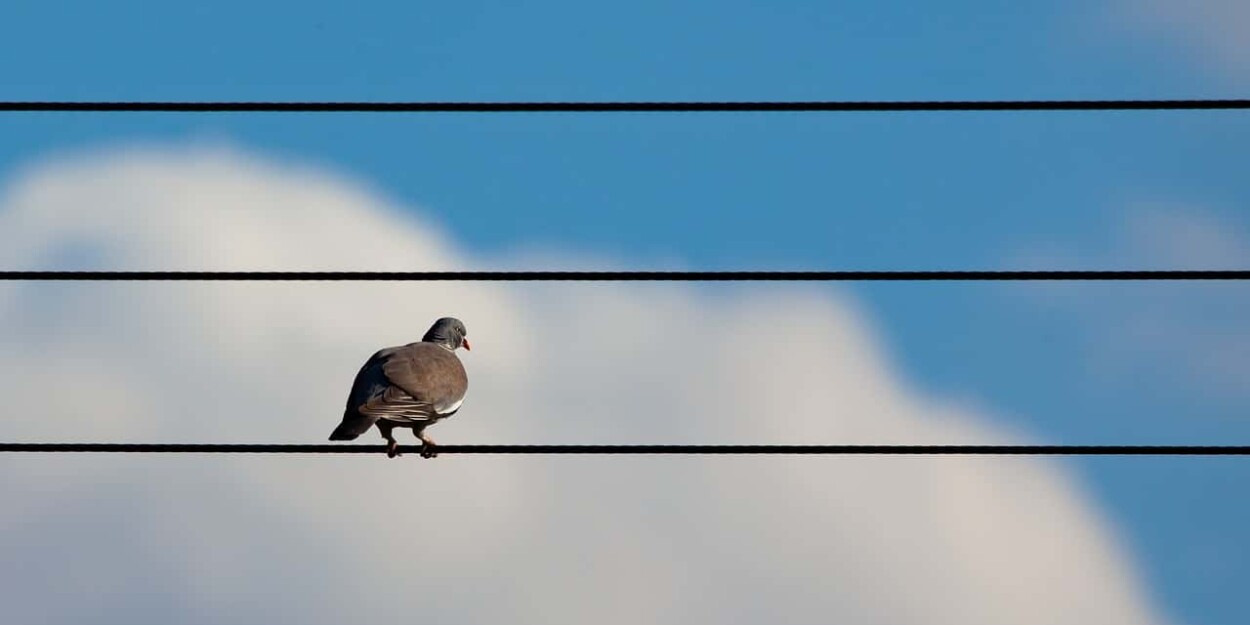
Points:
(341, 433)
(351, 427)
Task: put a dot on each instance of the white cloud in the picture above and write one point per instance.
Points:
(478, 539)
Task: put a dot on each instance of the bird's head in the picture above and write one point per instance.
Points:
(448, 332)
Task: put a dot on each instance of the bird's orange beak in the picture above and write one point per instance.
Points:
(465, 342)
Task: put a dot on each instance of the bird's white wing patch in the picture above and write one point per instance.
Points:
(451, 408)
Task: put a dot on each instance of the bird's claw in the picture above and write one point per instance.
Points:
(429, 451)
(392, 449)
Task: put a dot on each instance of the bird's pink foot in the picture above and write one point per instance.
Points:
(428, 449)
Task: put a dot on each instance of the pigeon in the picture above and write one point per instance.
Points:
(411, 386)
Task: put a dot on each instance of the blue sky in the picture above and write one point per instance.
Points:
(838, 191)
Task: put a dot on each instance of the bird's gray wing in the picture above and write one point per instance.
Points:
(429, 376)
(375, 397)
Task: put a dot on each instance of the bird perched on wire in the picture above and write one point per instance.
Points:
(412, 386)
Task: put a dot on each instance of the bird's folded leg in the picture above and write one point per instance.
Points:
(392, 447)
